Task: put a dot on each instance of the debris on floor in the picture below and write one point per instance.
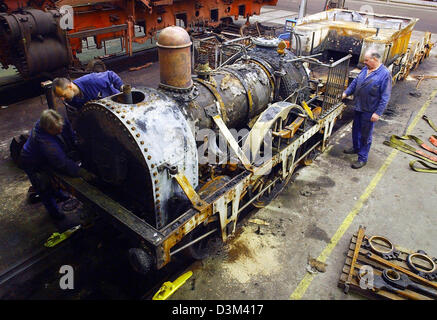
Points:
(315, 266)
(259, 222)
(378, 269)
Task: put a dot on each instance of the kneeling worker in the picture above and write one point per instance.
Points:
(48, 144)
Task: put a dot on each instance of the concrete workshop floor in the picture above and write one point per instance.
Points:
(271, 264)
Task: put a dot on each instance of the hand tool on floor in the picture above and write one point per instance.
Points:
(168, 288)
(57, 237)
(401, 281)
(360, 237)
(386, 263)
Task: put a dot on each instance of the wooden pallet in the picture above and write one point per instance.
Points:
(362, 259)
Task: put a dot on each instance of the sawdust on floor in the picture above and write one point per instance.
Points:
(251, 254)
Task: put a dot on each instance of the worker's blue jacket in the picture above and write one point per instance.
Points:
(95, 86)
(372, 93)
(43, 149)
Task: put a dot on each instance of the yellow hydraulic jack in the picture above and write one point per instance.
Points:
(168, 288)
(57, 237)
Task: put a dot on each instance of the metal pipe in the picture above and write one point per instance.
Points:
(193, 242)
(127, 94)
(302, 9)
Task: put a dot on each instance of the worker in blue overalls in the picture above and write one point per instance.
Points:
(49, 146)
(92, 86)
(371, 90)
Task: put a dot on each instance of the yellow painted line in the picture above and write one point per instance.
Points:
(306, 281)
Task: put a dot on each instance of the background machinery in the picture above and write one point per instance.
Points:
(46, 35)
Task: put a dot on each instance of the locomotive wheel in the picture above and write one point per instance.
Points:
(270, 193)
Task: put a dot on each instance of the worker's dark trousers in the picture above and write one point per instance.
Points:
(41, 182)
(362, 129)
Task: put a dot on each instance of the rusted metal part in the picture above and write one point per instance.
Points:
(175, 57)
(431, 273)
(391, 253)
(391, 265)
(192, 195)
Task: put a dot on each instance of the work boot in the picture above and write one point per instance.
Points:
(358, 164)
(350, 151)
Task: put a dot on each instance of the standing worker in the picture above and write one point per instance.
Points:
(92, 86)
(371, 90)
(47, 147)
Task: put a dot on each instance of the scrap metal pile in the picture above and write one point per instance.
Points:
(378, 269)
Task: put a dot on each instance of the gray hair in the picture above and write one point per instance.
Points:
(51, 119)
(374, 54)
(60, 83)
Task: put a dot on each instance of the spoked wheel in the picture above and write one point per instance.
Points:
(273, 141)
(277, 184)
(272, 184)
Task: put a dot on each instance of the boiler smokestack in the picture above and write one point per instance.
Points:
(175, 58)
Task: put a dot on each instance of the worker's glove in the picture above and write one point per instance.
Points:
(87, 176)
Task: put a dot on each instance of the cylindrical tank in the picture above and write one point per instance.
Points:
(175, 57)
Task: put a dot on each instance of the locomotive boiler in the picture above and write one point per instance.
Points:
(158, 173)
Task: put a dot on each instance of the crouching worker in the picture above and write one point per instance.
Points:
(49, 143)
